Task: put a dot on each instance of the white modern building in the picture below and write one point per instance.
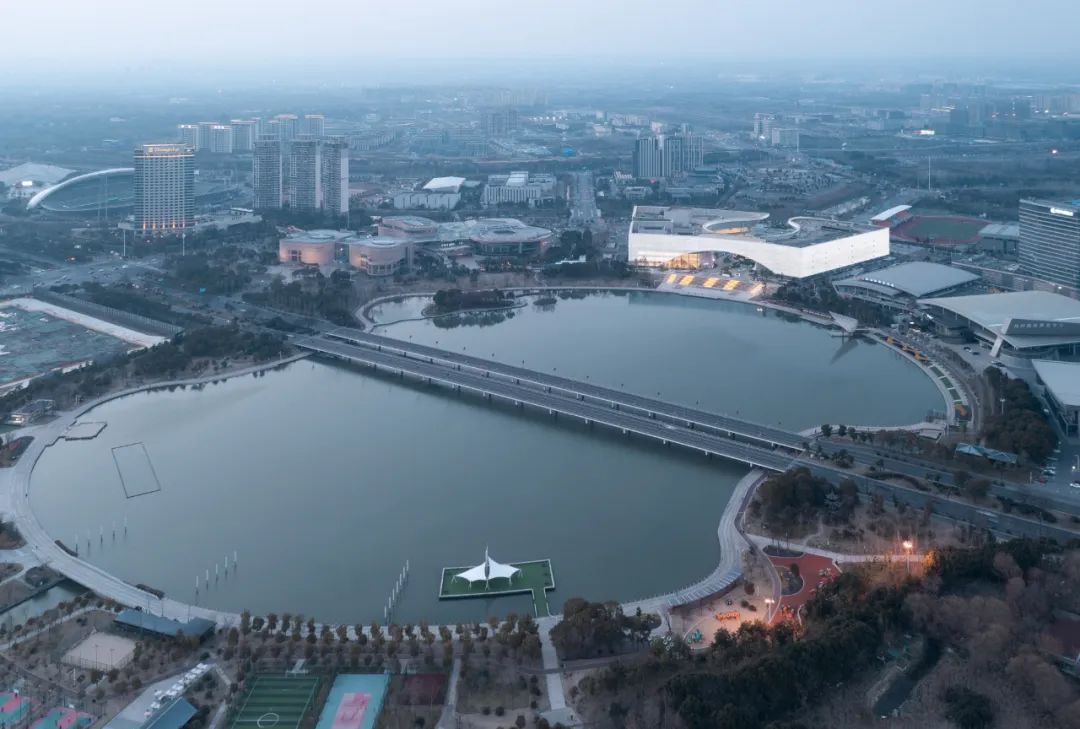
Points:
(519, 187)
(444, 184)
(1017, 326)
(673, 237)
(423, 200)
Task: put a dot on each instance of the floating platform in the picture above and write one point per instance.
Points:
(536, 577)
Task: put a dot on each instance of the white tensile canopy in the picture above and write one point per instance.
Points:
(488, 570)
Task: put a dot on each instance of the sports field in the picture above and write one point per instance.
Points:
(939, 229)
(276, 701)
(536, 577)
(354, 701)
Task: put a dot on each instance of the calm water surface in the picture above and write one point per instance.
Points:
(326, 480)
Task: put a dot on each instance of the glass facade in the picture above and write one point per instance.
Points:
(1050, 241)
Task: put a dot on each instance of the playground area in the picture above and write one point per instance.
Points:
(536, 577)
(276, 701)
(354, 701)
(801, 575)
(945, 230)
(698, 622)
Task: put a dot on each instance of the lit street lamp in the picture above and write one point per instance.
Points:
(908, 545)
(769, 602)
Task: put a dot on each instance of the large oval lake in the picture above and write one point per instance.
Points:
(325, 480)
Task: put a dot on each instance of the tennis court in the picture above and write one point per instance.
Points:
(276, 701)
(354, 701)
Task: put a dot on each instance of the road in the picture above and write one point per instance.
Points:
(583, 210)
(645, 419)
(671, 413)
(612, 413)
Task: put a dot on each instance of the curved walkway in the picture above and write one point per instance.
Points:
(15, 501)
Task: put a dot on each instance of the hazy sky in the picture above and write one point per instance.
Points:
(79, 34)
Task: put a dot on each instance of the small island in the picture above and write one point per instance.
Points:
(448, 301)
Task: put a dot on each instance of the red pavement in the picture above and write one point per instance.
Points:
(809, 567)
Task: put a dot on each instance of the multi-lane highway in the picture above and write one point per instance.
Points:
(628, 402)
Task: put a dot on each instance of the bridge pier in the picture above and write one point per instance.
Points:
(652, 415)
(487, 395)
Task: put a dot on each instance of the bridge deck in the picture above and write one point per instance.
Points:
(710, 443)
(608, 396)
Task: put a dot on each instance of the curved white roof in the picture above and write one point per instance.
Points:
(488, 570)
(37, 199)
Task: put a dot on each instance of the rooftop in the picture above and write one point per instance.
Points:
(1001, 230)
(891, 212)
(916, 279)
(1023, 318)
(445, 184)
(1062, 379)
(163, 626)
(799, 232)
(48, 174)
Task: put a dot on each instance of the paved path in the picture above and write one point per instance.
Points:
(15, 503)
(762, 542)
(448, 718)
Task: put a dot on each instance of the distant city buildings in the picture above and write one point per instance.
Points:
(305, 179)
(334, 173)
(267, 174)
(313, 125)
(1049, 246)
(519, 187)
(243, 134)
(660, 156)
(221, 139)
(164, 182)
(189, 135)
(763, 126)
(498, 122)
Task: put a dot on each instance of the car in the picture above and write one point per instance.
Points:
(1075, 484)
(1041, 479)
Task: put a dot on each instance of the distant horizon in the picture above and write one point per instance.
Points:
(348, 41)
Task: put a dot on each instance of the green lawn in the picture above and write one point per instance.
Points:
(535, 577)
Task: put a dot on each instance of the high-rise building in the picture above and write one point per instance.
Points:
(763, 126)
(164, 188)
(1049, 246)
(649, 158)
(221, 139)
(313, 125)
(189, 135)
(267, 176)
(204, 136)
(498, 122)
(335, 175)
(305, 182)
(693, 152)
(243, 134)
(287, 127)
